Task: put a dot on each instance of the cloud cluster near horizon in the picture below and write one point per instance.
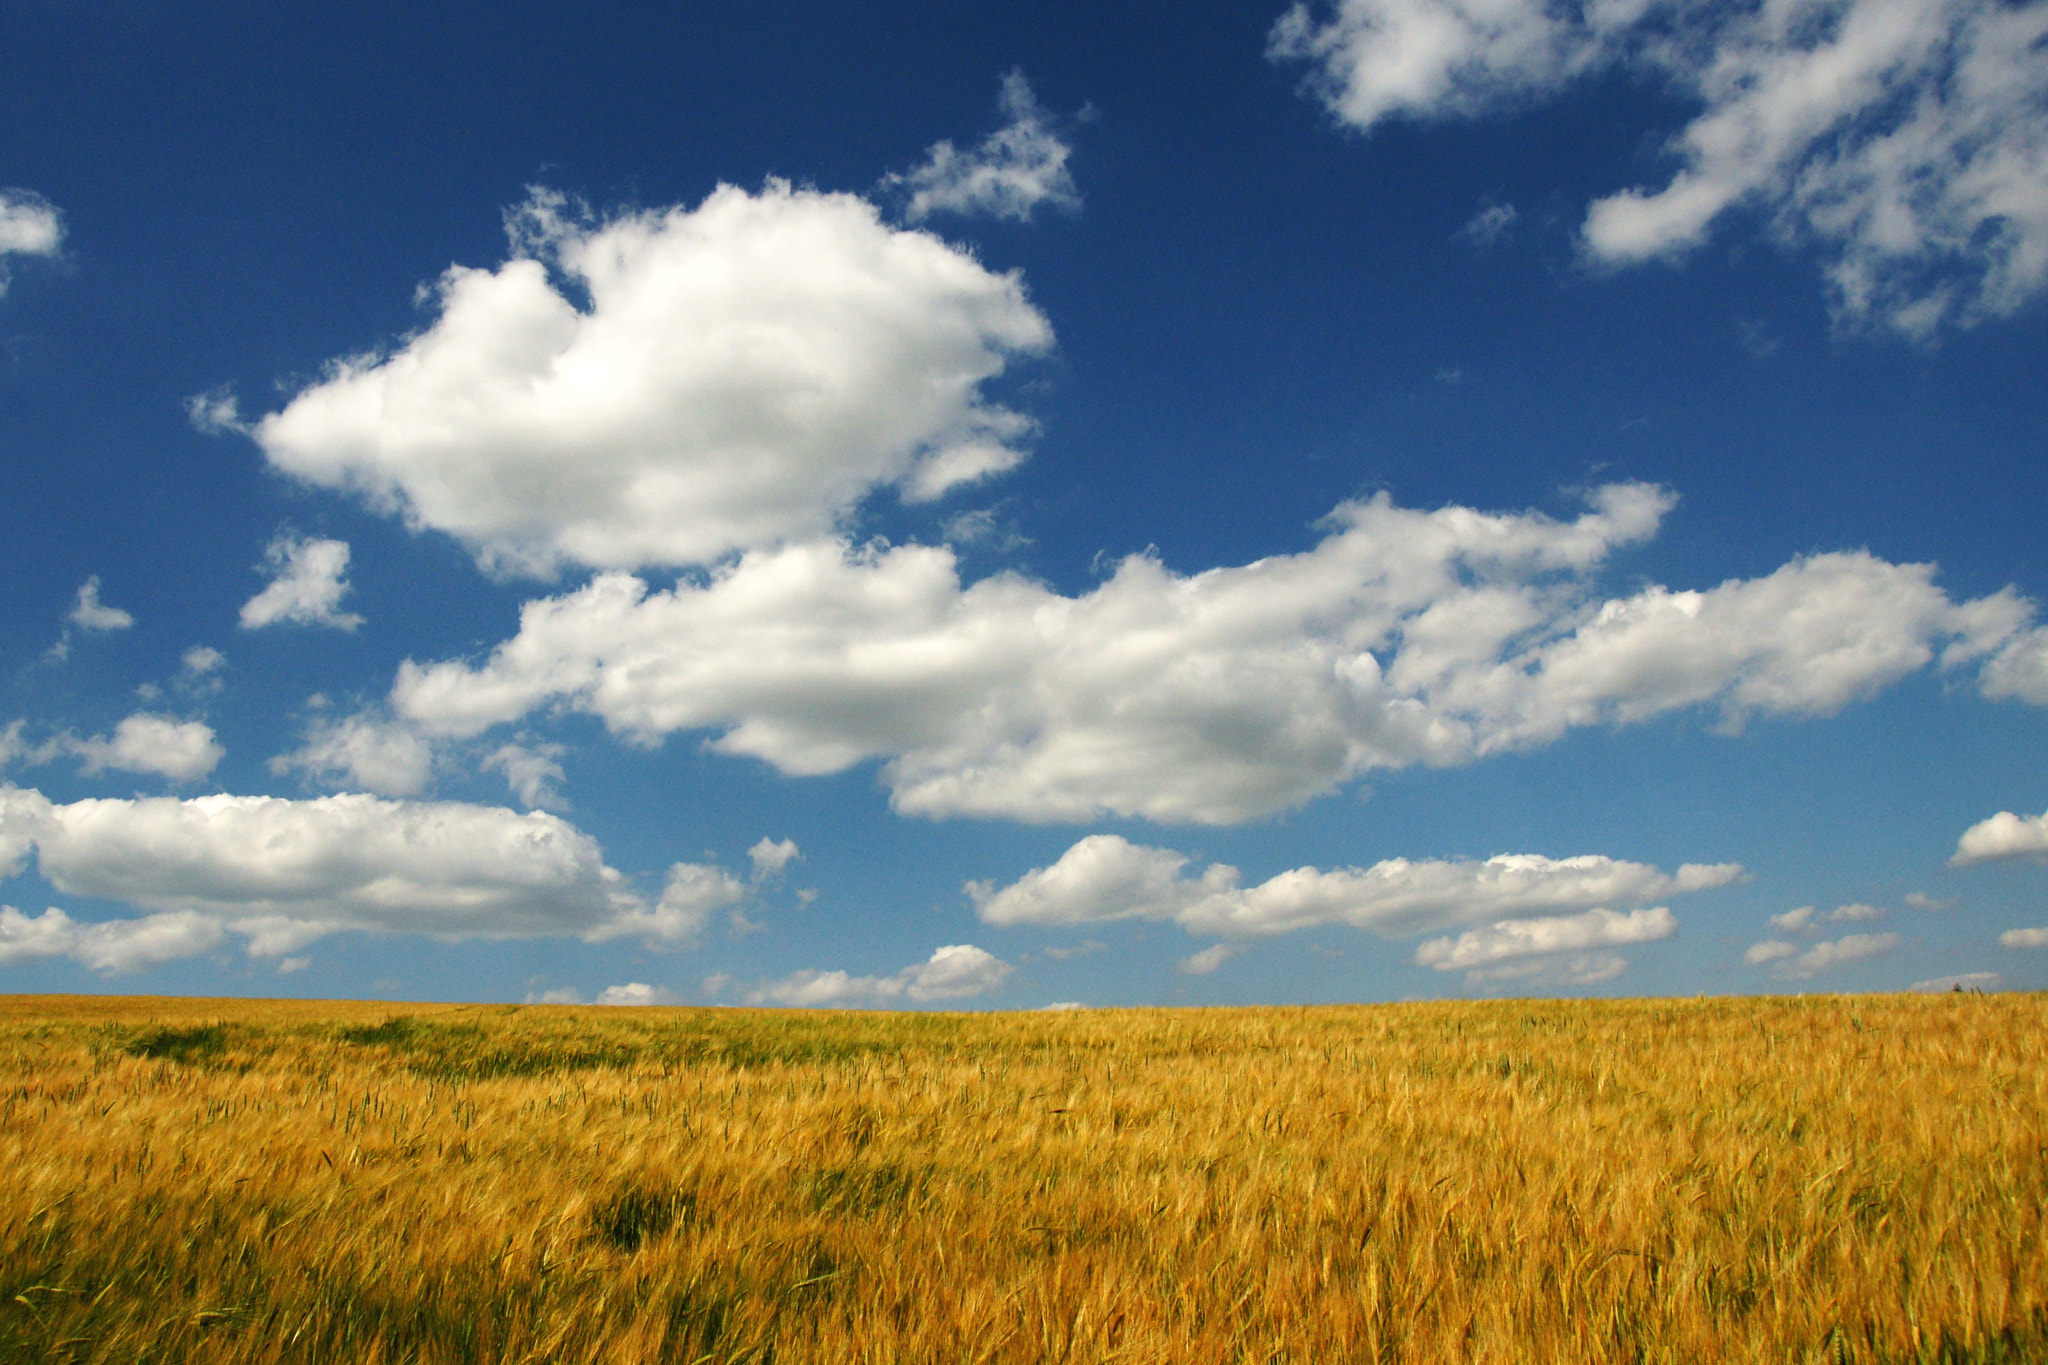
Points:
(1907, 139)
(284, 873)
(956, 971)
(1106, 877)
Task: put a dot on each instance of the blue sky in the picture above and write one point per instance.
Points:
(918, 509)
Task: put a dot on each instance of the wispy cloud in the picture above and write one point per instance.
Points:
(1907, 140)
(1009, 174)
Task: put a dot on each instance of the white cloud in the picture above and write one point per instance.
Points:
(636, 993)
(2019, 670)
(771, 857)
(1795, 921)
(283, 873)
(1018, 167)
(363, 753)
(12, 745)
(555, 995)
(1102, 877)
(1208, 960)
(183, 751)
(1487, 227)
(1794, 964)
(29, 226)
(531, 771)
(693, 893)
(307, 584)
(125, 945)
(1061, 1006)
(89, 613)
(1805, 918)
(1480, 950)
(1403, 637)
(1967, 981)
(2004, 835)
(1920, 900)
(1105, 877)
(24, 815)
(201, 660)
(957, 971)
(215, 411)
(2024, 938)
(1574, 969)
(1908, 139)
(745, 372)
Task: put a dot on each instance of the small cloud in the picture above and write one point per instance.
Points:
(1488, 227)
(635, 993)
(1450, 376)
(216, 411)
(2024, 938)
(532, 772)
(1082, 949)
(1919, 901)
(1060, 1006)
(1208, 960)
(980, 527)
(1575, 969)
(2004, 835)
(1770, 950)
(771, 856)
(1794, 921)
(1795, 965)
(956, 971)
(1856, 914)
(30, 225)
(695, 891)
(1562, 946)
(287, 965)
(183, 751)
(1985, 982)
(89, 613)
(306, 585)
(559, 995)
(110, 946)
(1015, 169)
(201, 660)
(362, 753)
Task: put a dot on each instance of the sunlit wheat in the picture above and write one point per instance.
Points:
(1716, 1180)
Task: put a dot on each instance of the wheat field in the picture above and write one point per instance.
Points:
(1814, 1179)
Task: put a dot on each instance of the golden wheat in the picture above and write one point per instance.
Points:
(1716, 1180)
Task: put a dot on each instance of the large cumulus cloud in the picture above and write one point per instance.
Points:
(1402, 637)
(671, 385)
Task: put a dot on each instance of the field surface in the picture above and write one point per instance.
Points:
(1819, 1179)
